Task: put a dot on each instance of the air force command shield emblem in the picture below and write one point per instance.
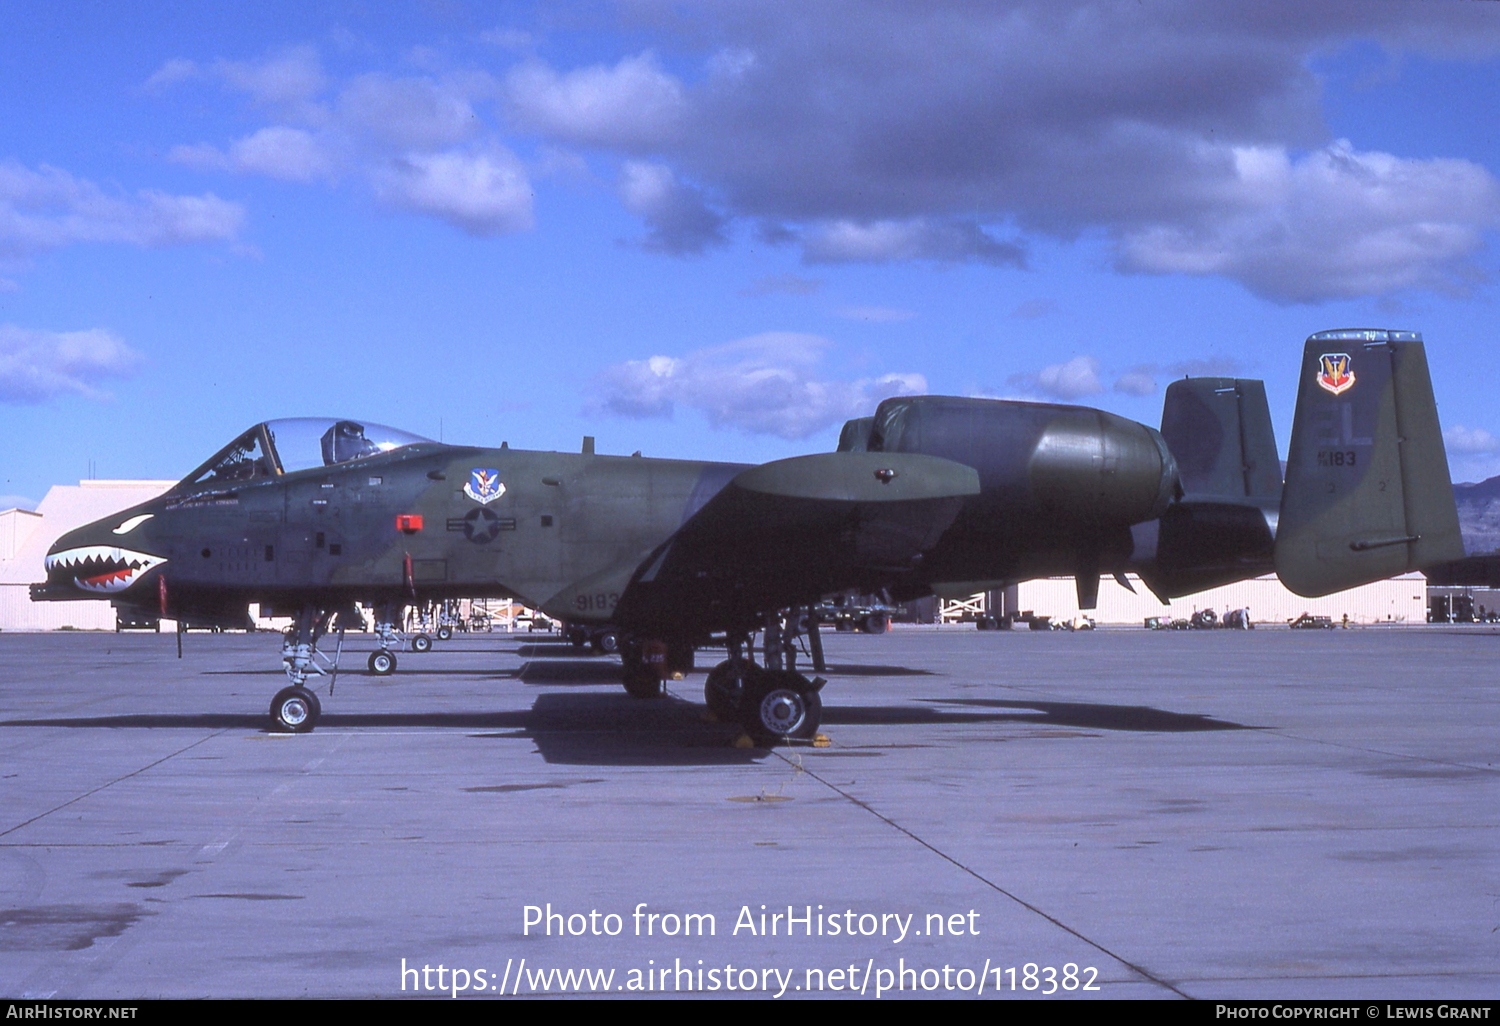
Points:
(484, 486)
(1335, 373)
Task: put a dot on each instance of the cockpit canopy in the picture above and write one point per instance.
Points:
(278, 447)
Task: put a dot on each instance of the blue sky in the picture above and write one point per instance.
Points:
(717, 230)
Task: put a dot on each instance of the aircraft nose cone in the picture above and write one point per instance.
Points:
(91, 559)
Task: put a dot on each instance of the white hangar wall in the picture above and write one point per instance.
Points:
(1397, 600)
(25, 538)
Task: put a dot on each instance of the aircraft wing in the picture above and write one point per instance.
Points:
(785, 533)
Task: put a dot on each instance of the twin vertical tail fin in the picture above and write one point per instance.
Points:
(1367, 492)
(1220, 530)
(1219, 431)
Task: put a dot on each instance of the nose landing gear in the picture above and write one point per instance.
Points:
(296, 709)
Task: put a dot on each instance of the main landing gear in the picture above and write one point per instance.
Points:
(393, 638)
(772, 702)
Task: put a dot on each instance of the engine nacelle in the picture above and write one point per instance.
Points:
(1076, 466)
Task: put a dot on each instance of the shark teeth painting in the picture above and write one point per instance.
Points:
(101, 569)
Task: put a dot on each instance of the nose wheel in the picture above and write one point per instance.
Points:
(295, 710)
(382, 663)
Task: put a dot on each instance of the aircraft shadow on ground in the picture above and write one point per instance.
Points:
(603, 729)
(593, 728)
(596, 729)
(570, 671)
(1053, 714)
(869, 670)
(553, 650)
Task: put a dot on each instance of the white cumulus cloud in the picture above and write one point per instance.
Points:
(406, 113)
(289, 78)
(178, 69)
(1470, 441)
(1191, 138)
(290, 154)
(678, 218)
(847, 241)
(484, 194)
(633, 104)
(1135, 383)
(1336, 223)
(1075, 379)
(48, 208)
(413, 143)
(36, 366)
(764, 384)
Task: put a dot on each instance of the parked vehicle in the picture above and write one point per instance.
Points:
(1308, 622)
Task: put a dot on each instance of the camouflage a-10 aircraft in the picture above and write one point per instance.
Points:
(310, 517)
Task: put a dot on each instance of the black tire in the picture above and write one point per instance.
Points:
(843, 626)
(641, 681)
(876, 623)
(444, 633)
(606, 642)
(421, 643)
(294, 710)
(778, 707)
(986, 623)
(382, 663)
(721, 691)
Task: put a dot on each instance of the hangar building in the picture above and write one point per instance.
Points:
(25, 537)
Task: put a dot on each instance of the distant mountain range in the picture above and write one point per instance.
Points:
(1479, 516)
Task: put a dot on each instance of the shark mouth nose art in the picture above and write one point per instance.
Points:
(102, 569)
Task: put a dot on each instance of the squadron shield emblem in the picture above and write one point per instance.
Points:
(1335, 373)
(484, 486)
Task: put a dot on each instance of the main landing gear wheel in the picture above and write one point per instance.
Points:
(444, 633)
(421, 643)
(382, 663)
(295, 710)
(778, 706)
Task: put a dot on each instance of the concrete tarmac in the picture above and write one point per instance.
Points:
(1119, 814)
